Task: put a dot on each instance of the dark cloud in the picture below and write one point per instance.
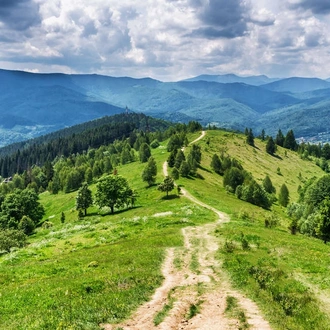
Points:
(214, 33)
(221, 18)
(20, 14)
(321, 7)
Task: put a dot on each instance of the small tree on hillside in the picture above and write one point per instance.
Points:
(268, 185)
(323, 227)
(290, 141)
(270, 146)
(167, 185)
(144, 152)
(84, 198)
(216, 164)
(150, 172)
(112, 191)
(279, 138)
(283, 197)
(250, 138)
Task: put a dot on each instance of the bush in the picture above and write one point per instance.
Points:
(11, 238)
(154, 144)
(26, 225)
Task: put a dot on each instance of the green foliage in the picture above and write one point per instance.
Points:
(11, 238)
(150, 172)
(253, 193)
(317, 191)
(216, 164)
(113, 191)
(144, 152)
(167, 185)
(233, 178)
(154, 144)
(249, 137)
(175, 173)
(20, 203)
(268, 185)
(184, 169)
(84, 198)
(171, 158)
(290, 141)
(62, 217)
(179, 158)
(279, 138)
(270, 146)
(26, 225)
(283, 196)
(323, 227)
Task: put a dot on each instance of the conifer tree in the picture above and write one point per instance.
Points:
(283, 197)
(150, 172)
(167, 185)
(270, 146)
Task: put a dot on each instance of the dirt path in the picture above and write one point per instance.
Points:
(198, 283)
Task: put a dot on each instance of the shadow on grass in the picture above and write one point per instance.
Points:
(205, 169)
(118, 211)
(277, 156)
(170, 197)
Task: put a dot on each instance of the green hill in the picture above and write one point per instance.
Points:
(81, 273)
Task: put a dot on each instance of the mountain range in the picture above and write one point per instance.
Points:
(34, 104)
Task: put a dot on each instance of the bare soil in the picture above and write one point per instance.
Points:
(199, 282)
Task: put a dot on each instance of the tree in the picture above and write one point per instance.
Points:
(196, 153)
(326, 151)
(150, 172)
(179, 158)
(184, 169)
(20, 203)
(323, 226)
(216, 164)
(268, 185)
(283, 197)
(144, 152)
(175, 173)
(263, 134)
(171, 158)
(270, 146)
(62, 217)
(84, 198)
(250, 137)
(279, 138)
(112, 191)
(233, 178)
(290, 141)
(26, 225)
(167, 185)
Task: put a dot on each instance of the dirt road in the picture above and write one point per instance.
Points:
(199, 284)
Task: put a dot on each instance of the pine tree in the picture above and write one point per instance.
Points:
(144, 152)
(268, 185)
(216, 164)
(150, 172)
(270, 146)
(290, 141)
(283, 197)
(279, 138)
(250, 138)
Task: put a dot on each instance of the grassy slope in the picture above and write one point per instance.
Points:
(301, 261)
(81, 273)
(99, 269)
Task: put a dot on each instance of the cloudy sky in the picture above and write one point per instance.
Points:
(167, 39)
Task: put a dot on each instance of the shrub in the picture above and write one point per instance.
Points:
(11, 238)
(26, 225)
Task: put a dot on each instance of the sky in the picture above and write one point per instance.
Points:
(167, 40)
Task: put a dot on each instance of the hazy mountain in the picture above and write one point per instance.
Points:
(34, 104)
(297, 85)
(232, 78)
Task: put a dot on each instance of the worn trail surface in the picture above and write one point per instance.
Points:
(198, 282)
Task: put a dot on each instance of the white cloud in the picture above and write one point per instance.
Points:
(167, 39)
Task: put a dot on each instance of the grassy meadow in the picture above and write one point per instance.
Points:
(81, 273)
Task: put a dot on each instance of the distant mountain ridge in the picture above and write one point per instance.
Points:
(34, 104)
